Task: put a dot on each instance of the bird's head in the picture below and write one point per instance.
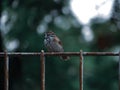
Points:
(49, 34)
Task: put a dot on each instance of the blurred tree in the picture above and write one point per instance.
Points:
(116, 13)
(23, 27)
(1, 59)
(1, 65)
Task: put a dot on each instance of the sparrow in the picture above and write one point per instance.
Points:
(53, 44)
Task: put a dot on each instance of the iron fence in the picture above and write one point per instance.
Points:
(42, 55)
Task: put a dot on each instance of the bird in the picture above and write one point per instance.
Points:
(54, 44)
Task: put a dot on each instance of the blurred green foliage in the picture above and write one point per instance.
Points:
(26, 22)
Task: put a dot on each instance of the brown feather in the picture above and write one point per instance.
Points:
(57, 40)
(53, 44)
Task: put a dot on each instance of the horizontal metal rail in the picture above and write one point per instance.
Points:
(60, 53)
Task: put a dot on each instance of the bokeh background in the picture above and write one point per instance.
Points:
(22, 27)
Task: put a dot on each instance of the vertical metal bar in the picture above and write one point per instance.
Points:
(81, 70)
(42, 64)
(119, 70)
(6, 67)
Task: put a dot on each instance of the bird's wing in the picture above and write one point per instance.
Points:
(57, 40)
(58, 44)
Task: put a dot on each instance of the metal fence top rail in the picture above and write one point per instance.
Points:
(60, 53)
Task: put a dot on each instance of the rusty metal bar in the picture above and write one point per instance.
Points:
(81, 70)
(60, 53)
(6, 67)
(42, 64)
(119, 70)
